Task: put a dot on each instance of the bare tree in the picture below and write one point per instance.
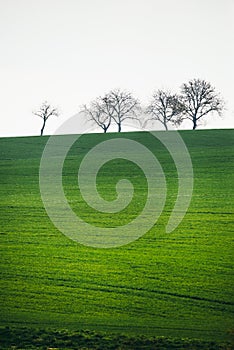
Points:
(199, 99)
(99, 112)
(165, 107)
(121, 106)
(45, 112)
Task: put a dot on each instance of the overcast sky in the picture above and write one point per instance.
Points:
(71, 51)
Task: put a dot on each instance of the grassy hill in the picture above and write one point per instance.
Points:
(174, 285)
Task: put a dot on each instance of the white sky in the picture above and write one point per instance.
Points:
(71, 51)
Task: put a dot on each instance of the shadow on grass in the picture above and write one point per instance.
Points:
(26, 338)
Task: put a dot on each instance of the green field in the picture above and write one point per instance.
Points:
(173, 285)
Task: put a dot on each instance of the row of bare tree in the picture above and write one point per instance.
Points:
(196, 100)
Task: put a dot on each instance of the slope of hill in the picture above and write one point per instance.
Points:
(178, 284)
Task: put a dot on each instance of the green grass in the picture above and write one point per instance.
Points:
(172, 285)
(29, 338)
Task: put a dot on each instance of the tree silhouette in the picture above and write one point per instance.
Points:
(121, 106)
(45, 112)
(99, 113)
(199, 99)
(165, 107)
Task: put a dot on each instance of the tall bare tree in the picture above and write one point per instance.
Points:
(165, 107)
(199, 99)
(121, 106)
(45, 112)
(99, 113)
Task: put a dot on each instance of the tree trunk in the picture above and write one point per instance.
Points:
(165, 124)
(194, 123)
(43, 127)
(119, 127)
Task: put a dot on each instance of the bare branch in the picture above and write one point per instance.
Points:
(120, 106)
(45, 112)
(165, 107)
(98, 113)
(199, 99)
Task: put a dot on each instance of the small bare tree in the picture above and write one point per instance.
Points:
(45, 112)
(121, 106)
(199, 99)
(99, 113)
(165, 107)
